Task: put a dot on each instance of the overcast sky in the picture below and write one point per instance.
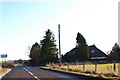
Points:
(24, 23)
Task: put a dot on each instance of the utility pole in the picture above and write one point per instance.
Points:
(60, 59)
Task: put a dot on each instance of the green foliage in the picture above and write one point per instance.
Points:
(80, 40)
(49, 51)
(82, 52)
(20, 61)
(35, 54)
(115, 53)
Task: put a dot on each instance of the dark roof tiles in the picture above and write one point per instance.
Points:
(93, 50)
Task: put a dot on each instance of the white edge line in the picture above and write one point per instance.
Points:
(5, 73)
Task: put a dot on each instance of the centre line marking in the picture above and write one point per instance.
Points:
(31, 74)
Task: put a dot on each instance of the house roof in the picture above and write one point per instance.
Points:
(72, 51)
(95, 52)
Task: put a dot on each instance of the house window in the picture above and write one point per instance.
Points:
(73, 52)
(92, 51)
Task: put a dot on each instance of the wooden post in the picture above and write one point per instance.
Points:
(95, 67)
(60, 58)
(83, 67)
(114, 67)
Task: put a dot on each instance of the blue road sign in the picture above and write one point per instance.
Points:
(3, 55)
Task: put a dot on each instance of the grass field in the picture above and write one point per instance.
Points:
(6, 61)
(110, 71)
(98, 68)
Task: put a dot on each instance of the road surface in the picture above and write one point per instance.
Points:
(34, 73)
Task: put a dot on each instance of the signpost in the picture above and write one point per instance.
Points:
(3, 56)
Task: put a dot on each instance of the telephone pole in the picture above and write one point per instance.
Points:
(60, 59)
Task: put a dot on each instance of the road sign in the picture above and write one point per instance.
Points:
(3, 55)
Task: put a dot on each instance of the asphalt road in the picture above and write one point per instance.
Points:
(34, 73)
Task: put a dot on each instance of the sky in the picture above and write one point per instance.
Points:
(23, 22)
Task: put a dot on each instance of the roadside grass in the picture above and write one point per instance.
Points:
(6, 61)
(3, 71)
(100, 70)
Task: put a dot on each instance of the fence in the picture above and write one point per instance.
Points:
(108, 68)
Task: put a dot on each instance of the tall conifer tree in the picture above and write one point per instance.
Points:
(82, 52)
(35, 54)
(115, 53)
(49, 51)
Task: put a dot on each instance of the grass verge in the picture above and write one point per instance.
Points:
(3, 71)
(105, 76)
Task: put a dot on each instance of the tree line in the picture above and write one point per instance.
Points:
(47, 51)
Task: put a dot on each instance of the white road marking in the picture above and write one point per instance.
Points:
(5, 73)
(37, 78)
(31, 74)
